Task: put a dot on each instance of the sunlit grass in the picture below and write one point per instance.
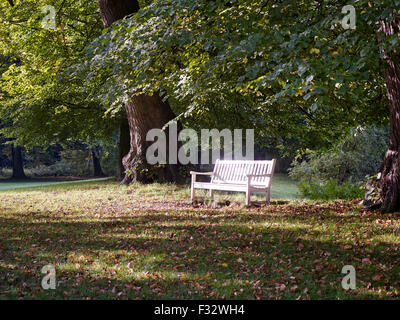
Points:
(13, 184)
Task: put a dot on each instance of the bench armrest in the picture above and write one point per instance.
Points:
(201, 173)
(194, 174)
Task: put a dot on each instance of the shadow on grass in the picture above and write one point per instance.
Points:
(273, 253)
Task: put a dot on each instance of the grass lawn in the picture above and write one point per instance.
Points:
(148, 242)
(14, 184)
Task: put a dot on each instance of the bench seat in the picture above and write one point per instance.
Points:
(237, 175)
(228, 187)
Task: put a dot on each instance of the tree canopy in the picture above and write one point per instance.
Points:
(41, 105)
(290, 65)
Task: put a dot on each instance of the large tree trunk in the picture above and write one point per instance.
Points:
(124, 146)
(113, 10)
(97, 170)
(17, 163)
(387, 183)
(390, 184)
(144, 113)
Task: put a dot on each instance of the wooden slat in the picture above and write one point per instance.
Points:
(231, 175)
(234, 171)
(257, 171)
(242, 173)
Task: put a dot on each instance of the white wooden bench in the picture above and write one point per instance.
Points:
(237, 175)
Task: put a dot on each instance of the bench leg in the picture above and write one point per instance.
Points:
(192, 194)
(247, 197)
(268, 196)
(211, 193)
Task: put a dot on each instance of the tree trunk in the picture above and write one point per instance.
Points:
(146, 113)
(387, 183)
(17, 163)
(113, 10)
(143, 113)
(124, 146)
(97, 170)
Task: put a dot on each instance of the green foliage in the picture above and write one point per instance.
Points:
(55, 170)
(330, 190)
(287, 67)
(340, 172)
(43, 107)
(357, 155)
(77, 162)
(109, 159)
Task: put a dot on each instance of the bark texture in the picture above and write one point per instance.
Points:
(143, 113)
(390, 189)
(17, 163)
(146, 113)
(113, 10)
(387, 183)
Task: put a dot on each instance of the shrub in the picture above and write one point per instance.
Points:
(358, 154)
(339, 172)
(58, 169)
(5, 173)
(77, 160)
(330, 190)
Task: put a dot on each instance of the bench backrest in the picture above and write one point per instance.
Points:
(234, 171)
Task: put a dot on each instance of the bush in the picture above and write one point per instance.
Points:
(5, 173)
(359, 154)
(58, 169)
(339, 172)
(330, 190)
(77, 160)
